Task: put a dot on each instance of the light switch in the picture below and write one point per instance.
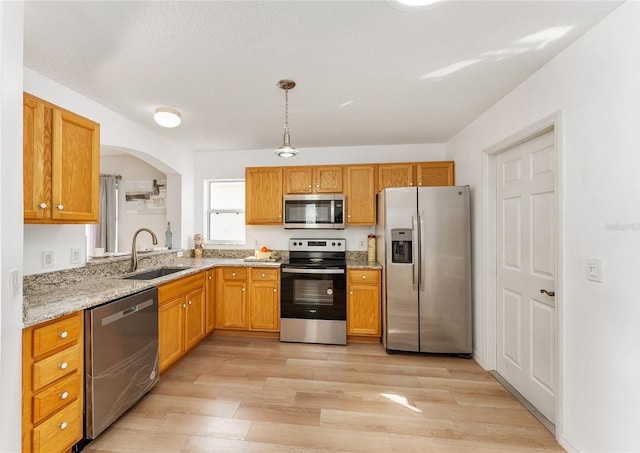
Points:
(594, 270)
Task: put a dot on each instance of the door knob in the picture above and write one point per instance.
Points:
(548, 293)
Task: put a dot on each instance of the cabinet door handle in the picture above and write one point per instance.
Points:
(64, 334)
(63, 425)
(64, 395)
(43, 205)
(60, 207)
(64, 365)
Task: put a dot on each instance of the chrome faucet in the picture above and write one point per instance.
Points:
(134, 252)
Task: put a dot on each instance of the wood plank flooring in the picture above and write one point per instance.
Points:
(234, 394)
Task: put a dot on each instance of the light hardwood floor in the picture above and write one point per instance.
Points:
(235, 394)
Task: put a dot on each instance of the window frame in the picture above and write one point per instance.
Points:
(209, 210)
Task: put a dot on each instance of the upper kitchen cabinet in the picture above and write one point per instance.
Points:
(316, 179)
(263, 187)
(360, 194)
(61, 155)
(435, 173)
(439, 173)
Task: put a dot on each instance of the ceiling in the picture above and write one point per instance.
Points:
(367, 72)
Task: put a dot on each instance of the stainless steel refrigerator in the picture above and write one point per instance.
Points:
(423, 240)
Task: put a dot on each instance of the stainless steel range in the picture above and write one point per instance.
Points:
(313, 301)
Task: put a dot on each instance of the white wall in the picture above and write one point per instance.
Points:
(132, 168)
(11, 32)
(594, 84)
(231, 165)
(118, 132)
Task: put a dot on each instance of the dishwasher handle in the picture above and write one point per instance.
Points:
(126, 312)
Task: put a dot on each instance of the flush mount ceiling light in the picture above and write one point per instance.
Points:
(286, 150)
(167, 117)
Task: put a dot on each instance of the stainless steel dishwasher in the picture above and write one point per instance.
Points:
(121, 357)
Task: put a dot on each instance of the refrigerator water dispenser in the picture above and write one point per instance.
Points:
(401, 245)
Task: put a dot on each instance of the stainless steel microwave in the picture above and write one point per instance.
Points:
(321, 211)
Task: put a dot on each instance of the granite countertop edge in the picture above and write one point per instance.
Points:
(47, 305)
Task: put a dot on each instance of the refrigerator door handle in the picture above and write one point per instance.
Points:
(419, 255)
(416, 249)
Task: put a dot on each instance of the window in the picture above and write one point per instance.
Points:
(225, 213)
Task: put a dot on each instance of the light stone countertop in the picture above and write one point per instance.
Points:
(52, 301)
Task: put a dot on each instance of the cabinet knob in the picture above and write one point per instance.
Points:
(233, 274)
(209, 277)
(243, 288)
(275, 290)
(318, 186)
(43, 205)
(64, 365)
(364, 277)
(189, 302)
(351, 292)
(349, 216)
(184, 305)
(63, 425)
(309, 186)
(64, 395)
(264, 275)
(63, 334)
(279, 216)
(60, 207)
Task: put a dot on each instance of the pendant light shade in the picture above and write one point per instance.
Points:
(286, 150)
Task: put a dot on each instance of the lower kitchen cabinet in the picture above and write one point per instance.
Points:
(52, 384)
(248, 299)
(181, 317)
(231, 298)
(363, 302)
(264, 300)
(210, 302)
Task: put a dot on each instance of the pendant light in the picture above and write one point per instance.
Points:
(286, 150)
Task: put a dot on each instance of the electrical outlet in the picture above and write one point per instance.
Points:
(47, 258)
(14, 282)
(361, 243)
(76, 255)
(179, 254)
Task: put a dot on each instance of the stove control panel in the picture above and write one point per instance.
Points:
(317, 245)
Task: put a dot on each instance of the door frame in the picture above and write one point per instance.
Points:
(553, 123)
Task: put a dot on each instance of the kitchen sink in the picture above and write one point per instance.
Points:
(155, 273)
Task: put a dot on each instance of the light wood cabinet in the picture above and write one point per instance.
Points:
(435, 173)
(264, 300)
(416, 174)
(263, 192)
(395, 175)
(363, 302)
(360, 194)
(61, 164)
(181, 317)
(248, 299)
(210, 309)
(313, 179)
(53, 385)
(231, 298)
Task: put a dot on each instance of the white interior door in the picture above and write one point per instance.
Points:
(526, 265)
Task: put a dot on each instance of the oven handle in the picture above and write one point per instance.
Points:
(289, 270)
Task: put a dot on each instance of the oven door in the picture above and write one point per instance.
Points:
(313, 293)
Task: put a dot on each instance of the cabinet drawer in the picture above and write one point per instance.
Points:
(260, 274)
(53, 398)
(234, 273)
(58, 365)
(57, 334)
(60, 431)
(364, 276)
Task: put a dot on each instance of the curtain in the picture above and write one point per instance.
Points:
(105, 232)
